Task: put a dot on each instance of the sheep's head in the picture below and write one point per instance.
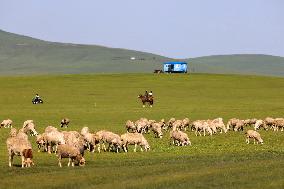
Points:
(81, 160)
(28, 162)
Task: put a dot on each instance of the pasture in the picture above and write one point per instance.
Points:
(107, 101)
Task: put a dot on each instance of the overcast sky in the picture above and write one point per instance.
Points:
(173, 28)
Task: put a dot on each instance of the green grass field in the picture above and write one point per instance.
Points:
(107, 101)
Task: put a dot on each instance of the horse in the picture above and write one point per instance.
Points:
(145, 99)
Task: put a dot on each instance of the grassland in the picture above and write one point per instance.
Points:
(107, 101)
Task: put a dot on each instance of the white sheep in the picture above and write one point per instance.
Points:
(71, 152)
(134, 139)
(254, 135)
(179, 138)
(7, 123)
(21, 147)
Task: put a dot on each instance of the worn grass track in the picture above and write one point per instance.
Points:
(107, 101)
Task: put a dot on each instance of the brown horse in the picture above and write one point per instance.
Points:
(145, 99)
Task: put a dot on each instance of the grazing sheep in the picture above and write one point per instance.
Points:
(134, 139)
(64, 122)
(52, 140)
(157, 129)
(269, 122)
(201, 126)
(179, 138)
(254, 135)
(178, 125)
(50, 129)
(170, 123)
(141, 126)
(250, 122)
(7, 123)
(20, 147)
(185, 123)
(218, 124)
(236, 124)
(260, 123)
(29, 127)
(71, 152)
(111, 138)
(130, 126)
(279, 124)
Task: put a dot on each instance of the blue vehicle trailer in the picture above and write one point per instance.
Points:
(175, 67)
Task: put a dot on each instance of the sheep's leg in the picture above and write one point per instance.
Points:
(254, 141)
(247, 140)
(23, 161)
(10, 160)
(135, 147)
(141, 148)
(69, 162)
(59, 161)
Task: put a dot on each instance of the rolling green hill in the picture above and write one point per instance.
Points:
(239, 64)
(21, 55)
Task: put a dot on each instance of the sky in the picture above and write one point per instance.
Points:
(172, 28)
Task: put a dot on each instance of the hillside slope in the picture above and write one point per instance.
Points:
(25, 55)
(21, 55)
(239, 64)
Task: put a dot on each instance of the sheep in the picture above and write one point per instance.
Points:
(218, 124)
(269, 122)
(71, 152)
(52, 140)
(201, 125)
(141, 125)
(130, 126)
(255, 135)
(111, 138)
(136, 139)
(90, 139)
(177, 125)
(250, 122)
(21, 147)
(279, 123)
(179, 138)
(186, 123)
(50, 129)
(260, 123)
(7, 123)
(157, 129)
(64, 122)
(29, 126)
(236, 124)
(170, 123)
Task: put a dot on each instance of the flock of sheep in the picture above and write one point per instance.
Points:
(72, 144)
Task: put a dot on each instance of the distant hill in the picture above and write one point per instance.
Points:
(25, 55)
(239, 64)
(22, 55)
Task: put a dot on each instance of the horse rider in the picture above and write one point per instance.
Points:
(146, 94)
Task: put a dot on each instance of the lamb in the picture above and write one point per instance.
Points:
(254, 135)
(179, 138)
(71, 152)
(7, 123)
(130, 126)
(21, 147)
(64, 122)
(134, 139)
